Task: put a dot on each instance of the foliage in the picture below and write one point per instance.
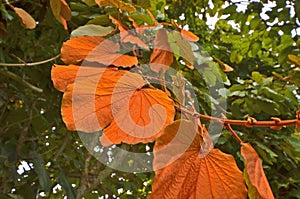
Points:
(263, 51)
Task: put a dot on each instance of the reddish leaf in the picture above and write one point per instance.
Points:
(95, 49)
(188, 35)
(162, 55)
(61, 11)
(117, 4)
(256, 179)
(192, 176)
(90, 103)
(26, 18)
(127, 36)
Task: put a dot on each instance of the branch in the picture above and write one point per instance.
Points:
(250, 122)
(20, 80)
(33, 63)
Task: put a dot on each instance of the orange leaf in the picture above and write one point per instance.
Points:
(188, 35)
(162, 55)
(83, 107)
(26, 18)
(140, 119)
(61, 11)
(127, 36)
(95, 49)
(62, 76)
(214, 176)
(96, 98)
(117, 4)
(256, 179)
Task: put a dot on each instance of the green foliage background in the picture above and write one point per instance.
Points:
(32, 131)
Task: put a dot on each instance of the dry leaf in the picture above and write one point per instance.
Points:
(162, 55)
(127, 36)
(224, 67)
(256, 179)
(214, 176)
(26, 18)
(95, 49)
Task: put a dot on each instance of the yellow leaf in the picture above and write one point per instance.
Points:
(117, 4)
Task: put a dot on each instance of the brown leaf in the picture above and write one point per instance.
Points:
(127, 36)
(256, 179)
(95, 49)
(26, 18)
(188, 175)
(224, 67)
(96, 98)
(162, 55)
(117, 4)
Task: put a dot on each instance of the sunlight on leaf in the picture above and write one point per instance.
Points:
(256, 179)
(96, 98)
(95, 49)
(215, 175)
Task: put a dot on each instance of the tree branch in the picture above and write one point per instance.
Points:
(31, 64)
(250, 122)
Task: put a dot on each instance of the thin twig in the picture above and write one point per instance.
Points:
(20, 80)
(31, 64)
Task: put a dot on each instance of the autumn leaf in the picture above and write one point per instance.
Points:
(127, 35)
(256, 179)
(225, 67)
(117, 4)
(61, 11)
(95, 98)
(26, 18)
(95, 49)
(162, 55)
(187, 35)
(188, 175)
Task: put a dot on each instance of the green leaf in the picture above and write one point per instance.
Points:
(257, 77)
(91, 30)
(90, 2)
(40, 169)
(66, 185)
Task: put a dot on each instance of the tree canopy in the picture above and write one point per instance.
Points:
(204, 62)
